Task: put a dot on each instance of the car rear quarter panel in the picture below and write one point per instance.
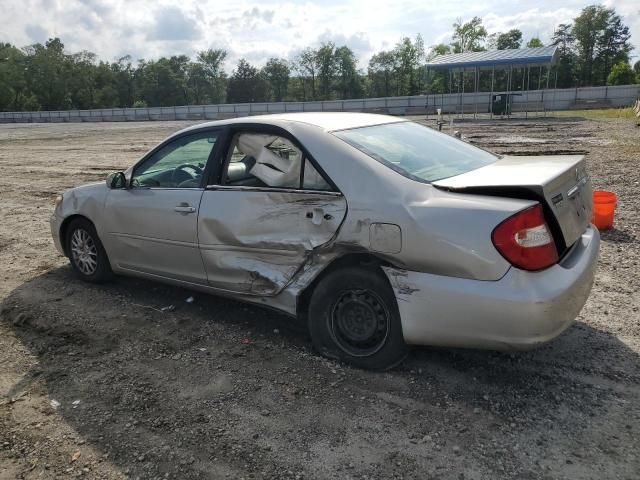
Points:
(442, 233)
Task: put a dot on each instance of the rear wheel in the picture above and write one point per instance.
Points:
(86, 253)
(353, 317)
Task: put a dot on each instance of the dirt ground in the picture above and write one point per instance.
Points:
(98, 382)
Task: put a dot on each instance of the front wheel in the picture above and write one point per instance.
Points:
(353, 317)
(86, 253)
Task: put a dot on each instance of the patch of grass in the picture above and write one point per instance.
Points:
(600, 113)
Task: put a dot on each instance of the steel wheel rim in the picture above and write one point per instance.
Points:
(359, 322)
(84, 252)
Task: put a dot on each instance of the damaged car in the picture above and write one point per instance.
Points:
(379, 232)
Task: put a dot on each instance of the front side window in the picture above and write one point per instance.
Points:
(261, 160)
(417, 151)
(179, 164)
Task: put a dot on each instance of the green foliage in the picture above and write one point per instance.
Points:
(504, 41)
(592, 50)
(601, 41)
(247, 84)
(600, 113)
(349, 84)
(13, 84)
(305, 65)
(409, 73)
(381, 74)
(621, 74)
(326, 68)
(535, 42)
(213, 76)
(277, 72)
(48, 72)
(566, 68)
(468, 37)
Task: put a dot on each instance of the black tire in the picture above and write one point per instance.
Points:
(353, 317)
(91, 264)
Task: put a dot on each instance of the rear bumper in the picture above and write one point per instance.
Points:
(521, 310)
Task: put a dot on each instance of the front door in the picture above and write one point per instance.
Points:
(270, 210)
(152, 226)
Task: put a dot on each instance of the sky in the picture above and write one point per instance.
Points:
(273, 28)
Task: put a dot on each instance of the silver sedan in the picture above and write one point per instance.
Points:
(380, 232)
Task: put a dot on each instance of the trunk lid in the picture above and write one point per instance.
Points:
(559, 182)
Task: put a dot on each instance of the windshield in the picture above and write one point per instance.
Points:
(416, 151)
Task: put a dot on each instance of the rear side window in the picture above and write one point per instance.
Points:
(416, 151)
(261, 160)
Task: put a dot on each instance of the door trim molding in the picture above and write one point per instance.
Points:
(242, 248)
(165, 241)
(239, 188)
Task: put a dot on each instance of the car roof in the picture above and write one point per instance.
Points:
(327, 121)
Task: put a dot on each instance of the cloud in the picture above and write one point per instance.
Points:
(532, 23)
(359, 42)
(171, 23)
(36, 33)
(630, 12)
(264, 15)
(261, 29)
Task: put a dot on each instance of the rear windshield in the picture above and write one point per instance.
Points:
(416, 151)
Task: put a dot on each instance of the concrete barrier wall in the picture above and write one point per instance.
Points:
(533, 100)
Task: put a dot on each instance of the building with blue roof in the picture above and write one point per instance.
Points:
(502, 73)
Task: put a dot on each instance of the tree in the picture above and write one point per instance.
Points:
(621, 74)
(508, 40)
(326, 67)
(13, 84)
(349, 85)
(468, 37)
(163, 82)
(409, 58)
(277, 72)
(613, 47)
(212, 64)
(198, 83)
(124, 81)
(567, 59)
(247, 84)
(82, 80)
(535, 42)
(382, 66)
(305, 64)
(48, 74)
(601, 40)
(438, 80)
(593, 50)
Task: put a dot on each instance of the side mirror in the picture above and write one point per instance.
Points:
(116, 180)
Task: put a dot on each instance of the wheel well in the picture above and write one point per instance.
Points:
(63, 230)
(366, 260)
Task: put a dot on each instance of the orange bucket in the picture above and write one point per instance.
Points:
(604, 205)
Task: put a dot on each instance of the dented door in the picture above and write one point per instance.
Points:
(254, 240)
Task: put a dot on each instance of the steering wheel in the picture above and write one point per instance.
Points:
(181, 168)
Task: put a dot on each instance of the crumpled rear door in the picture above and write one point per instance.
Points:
(255, 240)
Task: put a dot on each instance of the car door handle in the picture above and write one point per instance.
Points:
(184, 208)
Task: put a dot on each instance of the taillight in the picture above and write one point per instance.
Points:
(525, 240)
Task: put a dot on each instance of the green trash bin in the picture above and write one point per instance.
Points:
(500, 104)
